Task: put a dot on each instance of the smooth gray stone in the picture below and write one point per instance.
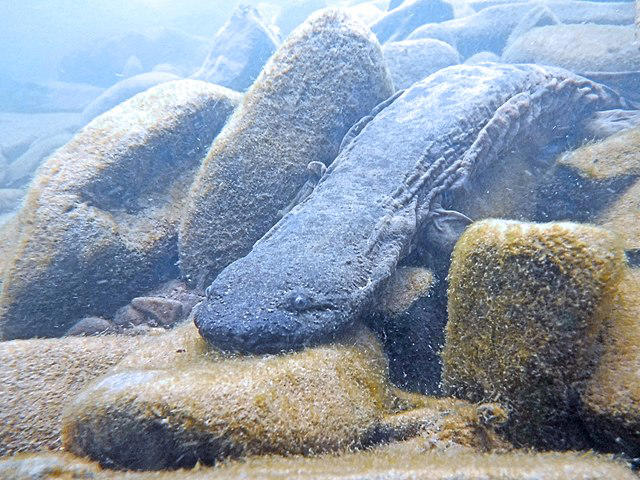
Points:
(239, 50)
(410, 61)
(411, 14)
(489, 29)
(318, 271)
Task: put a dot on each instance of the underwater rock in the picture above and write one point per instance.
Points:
(163, 306)
(175, 402)
(203, 408)
(133, 66)
(102, 63)
(239, 50)
(22, 169)
(32, 97)
(611, 402)
(367, 12)
(598, 183)
(607, 123)
(527, 309)
(91, 326)
(482, 57)
(296, 12)
(539, 16)
(327, 75)
(580, 48)
(410, 61)
(99, 223)
(10, 199)
(164, 312)
(401, 21)
(490, 28)
(123, 90)
(4, 163)
(397, 461)
(40, 377)
(409, 321)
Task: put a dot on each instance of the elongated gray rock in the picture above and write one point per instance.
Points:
(489, 29)
(325, 77)
(99, 224)
(239, 50)
(401, 21)
(579, 48)
(318, 270)
(410, 61)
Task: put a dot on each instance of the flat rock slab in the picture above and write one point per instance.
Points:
(327, 75)
(99, 224)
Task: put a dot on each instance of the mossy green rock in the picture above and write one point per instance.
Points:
(398, 461)
(611, 402)
(598, 183)
(327, 75)
(40, 377)
(527, 307)
(99, 224)
(175, 402)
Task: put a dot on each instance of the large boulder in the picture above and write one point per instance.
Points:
(123, 90)
(99, 223)
(239, 50)
(404, 19)
(527, 308)
(490, 28)
(410, 61)
(40, 377)
(580, 48)
(327, 75)
(103, 63)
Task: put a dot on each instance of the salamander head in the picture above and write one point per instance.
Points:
(248, 312)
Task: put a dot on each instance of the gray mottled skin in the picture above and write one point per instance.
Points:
(317, 271)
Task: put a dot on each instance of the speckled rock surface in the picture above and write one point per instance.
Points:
(611, 402)
(598, 183)
(410, 61)
(92, 235)
(327, 75)
(39, 378)
(527, 307)
(580, 48)
(239, 50)
(398, 461)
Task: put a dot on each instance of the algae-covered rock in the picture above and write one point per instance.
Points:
(527, 307)
(175, 401)
(99, 224)
(410, 61)
(22, 169)
(398, 461)
(189, 405)
(598, 183)
(611, 402)
(327, 75)
(39, 378)
(410, 323)
(580, 48)
(239, 50)
(405, 18)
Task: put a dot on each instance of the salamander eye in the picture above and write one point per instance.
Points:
(208, 291)
(299, 301)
